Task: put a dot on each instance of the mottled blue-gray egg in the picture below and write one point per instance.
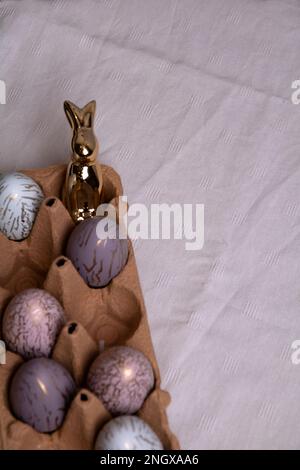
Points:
(97, 258)
(127, 433)
(20, 200)
(32, 322)
(40, 393)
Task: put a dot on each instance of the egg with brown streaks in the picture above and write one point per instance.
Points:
(98, 259)
(40, 393)
(20, 200)
(121, 377)
(31, 323)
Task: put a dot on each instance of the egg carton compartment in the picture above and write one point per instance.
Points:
(26, 263)
(97, 319)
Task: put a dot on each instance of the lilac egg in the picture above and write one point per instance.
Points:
(31, 323)
(121, 377)
(40, 393)
(98, 259)
(127, 433)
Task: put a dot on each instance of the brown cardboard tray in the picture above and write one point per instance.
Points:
(97, 318)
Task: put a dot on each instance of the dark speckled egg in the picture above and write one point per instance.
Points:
(31, 323)
(98, 259)
(40, 393)
(121, 377)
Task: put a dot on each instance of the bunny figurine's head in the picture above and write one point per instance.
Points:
(84, 141)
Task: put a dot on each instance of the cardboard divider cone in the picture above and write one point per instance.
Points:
(81, 350)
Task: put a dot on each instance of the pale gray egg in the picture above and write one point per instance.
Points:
(127, 433)
(20, 200)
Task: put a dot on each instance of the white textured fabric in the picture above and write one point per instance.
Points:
(194, 105)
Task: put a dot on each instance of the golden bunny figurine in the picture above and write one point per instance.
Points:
(84, 182)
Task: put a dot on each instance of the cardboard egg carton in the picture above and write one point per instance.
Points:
(97, 319)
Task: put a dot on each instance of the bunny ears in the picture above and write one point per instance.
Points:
(80, 117)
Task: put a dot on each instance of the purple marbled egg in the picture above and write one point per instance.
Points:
(121, 377)
(97, 259)
(31, 323)
(40, 393)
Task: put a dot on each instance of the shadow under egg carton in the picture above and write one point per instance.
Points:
(97, 318)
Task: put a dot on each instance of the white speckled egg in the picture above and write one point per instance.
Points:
(127, 433)
(20, 199)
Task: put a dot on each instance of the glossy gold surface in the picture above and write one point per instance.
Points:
(83, 183)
